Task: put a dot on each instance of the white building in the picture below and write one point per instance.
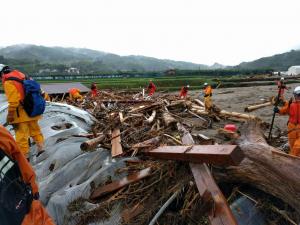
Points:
(293, 70)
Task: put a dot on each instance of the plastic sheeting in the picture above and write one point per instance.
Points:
(64, 172)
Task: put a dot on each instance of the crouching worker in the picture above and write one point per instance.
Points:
(19, 204)
(292, 108)
(183, 92)
(25, 106)
(74, 94)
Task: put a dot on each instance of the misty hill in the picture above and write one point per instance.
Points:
(279, 62)
(88, 60)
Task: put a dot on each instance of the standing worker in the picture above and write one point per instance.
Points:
(184, 91)
(292, 108)
(151, 88)
(207, 93)
(74, 94)
(24, 125)
(281, 88)
(94, 90)
(19, 198)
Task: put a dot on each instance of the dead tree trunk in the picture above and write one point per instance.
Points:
(265, 168)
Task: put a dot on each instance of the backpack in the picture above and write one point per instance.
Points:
(15, 195)
(33, 102)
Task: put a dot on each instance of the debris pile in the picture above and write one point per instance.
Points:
(142, 130)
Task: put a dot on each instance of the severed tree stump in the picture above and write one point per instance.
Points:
(264, 167)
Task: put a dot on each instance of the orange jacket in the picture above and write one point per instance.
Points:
(18, 85)
(9, 146)
(208, 91)
(74, 91)
(293, 110)
(184, 91)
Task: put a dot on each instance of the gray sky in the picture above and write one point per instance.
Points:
(200, 31)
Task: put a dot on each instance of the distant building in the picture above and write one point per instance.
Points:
(170, 72)
(293, 70)
(72, 70)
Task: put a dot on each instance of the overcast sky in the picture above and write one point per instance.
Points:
(200, 31)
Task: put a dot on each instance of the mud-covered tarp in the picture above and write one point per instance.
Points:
(64, 172)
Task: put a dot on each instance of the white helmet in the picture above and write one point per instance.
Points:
(297, 91)
(282, 79)
(205, 84)
(188, 86)
(2, 67)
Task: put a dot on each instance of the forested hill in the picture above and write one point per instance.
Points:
(279, 62)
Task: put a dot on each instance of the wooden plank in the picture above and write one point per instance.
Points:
(116, 185)
(116, 147)
(221, 213)
(222, 155)
(207, 187)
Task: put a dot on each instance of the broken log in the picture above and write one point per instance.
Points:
(254, 107)
(168, 119)
(199, 102)
(275, 174)
(148, 143)
(152, 117)
(116, 185)
(221, 155)
(90, 145)
(116, 147)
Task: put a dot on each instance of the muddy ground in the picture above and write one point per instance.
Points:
(245, 96)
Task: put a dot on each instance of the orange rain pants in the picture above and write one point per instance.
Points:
(294, 139)
(38, 214)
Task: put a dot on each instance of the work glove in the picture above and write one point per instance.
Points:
(276, 109)
(10, 116)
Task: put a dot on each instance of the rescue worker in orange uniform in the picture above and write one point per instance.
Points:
(19, 204)
(151, 88)
(24, 126)
(74, 94)
(281, 88)
(184, 91)
(207, 93)
(292, 108)
(94, 90)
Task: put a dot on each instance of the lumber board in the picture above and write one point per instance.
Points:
(116, 147)
(116, 185)
(221, 155)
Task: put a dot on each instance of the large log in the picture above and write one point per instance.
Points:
(258, 106)
(264, 168)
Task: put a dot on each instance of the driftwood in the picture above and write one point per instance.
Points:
(199, 102)
(152, 117)
(168, 119)
(263, 167)
(90, 145)
(254, 107)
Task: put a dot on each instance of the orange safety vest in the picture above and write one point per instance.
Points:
(18, 85)
(294, 112)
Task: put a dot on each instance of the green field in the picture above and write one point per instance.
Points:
(163, 83)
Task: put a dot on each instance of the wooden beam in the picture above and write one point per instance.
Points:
(92, 144)
(207, 187)
(221, 155)
(116, 147)
(116, 185)
(220, 213)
